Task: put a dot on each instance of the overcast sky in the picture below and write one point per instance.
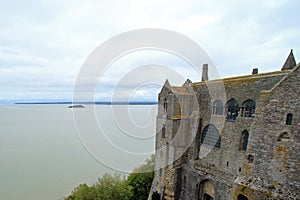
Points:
(43, 44)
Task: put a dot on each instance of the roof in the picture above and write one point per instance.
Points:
(245, 78)
(290, 62)
(179, 89)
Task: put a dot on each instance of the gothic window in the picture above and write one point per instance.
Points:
(289, 118)
(248, 108)
(210, 136)
(163, 132)
(284, 137)
(244, 140)
(165, 105)
(217, 108)
(232, 109)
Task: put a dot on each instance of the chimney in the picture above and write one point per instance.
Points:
(205, 72)
(254, 71)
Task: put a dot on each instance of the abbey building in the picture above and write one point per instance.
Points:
(230, 139)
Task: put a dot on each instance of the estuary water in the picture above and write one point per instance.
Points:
(44, 154)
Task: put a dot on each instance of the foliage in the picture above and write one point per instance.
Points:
(141, 179)
(108, 187)
(115, 187)
(82, 192)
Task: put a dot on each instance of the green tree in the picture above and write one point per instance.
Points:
(113, 187)
(141, 179)
(82, 192)
(108, 187)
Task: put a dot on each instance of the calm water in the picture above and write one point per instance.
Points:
(42, 157)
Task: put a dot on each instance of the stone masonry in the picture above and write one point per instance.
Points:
(230, 139)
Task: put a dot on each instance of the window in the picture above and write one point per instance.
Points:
(250, 158)
(242, 197)
(210, 136)
(248, 108)
(289, 118)
(244, 140)
(284, 137)
(165, 105)
(232, 109)
(163, 132)
(217, 108)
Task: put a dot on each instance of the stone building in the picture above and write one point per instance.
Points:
(235, 138)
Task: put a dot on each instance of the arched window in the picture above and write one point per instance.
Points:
(210, 136)
(232, 109)
(248, 108)
(244, 140)
(289, 118)
(218, 107)
(242, 197)
(165, 105)
(284, 137)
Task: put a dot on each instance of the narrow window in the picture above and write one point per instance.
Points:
(289, 118)
(165, 105)
(244, 140)
(163, 132)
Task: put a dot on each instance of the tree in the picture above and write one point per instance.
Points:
(113, 187)
(82, 192)
(141, 179)
(108, 187)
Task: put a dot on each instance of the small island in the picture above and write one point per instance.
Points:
(76, 106)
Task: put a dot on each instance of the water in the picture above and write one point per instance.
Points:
(42, 157)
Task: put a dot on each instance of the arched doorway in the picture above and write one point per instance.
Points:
(206, 190)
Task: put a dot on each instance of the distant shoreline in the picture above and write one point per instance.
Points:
(95, 103)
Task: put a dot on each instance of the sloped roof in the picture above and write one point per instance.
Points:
(290, 62)
(179, 90)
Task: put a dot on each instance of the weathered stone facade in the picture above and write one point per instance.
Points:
(235, 138)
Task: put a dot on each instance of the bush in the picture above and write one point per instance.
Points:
(115, 187)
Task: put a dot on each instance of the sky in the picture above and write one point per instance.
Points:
(43, 44)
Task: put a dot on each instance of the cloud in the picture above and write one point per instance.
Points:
(43, 44)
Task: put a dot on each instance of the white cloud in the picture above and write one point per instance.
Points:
(43, 44)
